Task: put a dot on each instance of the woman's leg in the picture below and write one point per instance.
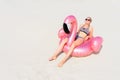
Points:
(57, 52)
(75, 44)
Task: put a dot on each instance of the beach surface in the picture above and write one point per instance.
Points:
(28, 38)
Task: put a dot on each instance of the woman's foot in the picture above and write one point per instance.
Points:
(60, 64)
(52, 58)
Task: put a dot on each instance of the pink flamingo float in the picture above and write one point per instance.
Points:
(92, 45)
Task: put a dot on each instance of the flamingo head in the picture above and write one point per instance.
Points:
(69, 22)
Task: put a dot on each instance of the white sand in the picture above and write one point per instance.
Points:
(28, 37)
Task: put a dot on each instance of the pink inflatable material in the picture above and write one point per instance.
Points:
(89, 46)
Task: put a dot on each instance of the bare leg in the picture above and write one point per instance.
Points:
(59, 49)
(75, 44)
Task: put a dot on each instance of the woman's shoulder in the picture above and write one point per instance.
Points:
(81, 25)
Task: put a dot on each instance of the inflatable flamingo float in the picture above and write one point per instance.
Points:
(88, 47)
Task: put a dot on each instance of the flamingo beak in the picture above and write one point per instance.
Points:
(66, 28)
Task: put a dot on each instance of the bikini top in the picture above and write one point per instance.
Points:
(85, 30)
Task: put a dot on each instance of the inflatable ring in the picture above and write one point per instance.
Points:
(88, 47)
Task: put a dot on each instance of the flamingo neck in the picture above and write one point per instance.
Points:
(73, 34)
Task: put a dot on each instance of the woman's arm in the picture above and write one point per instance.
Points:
(90, 34)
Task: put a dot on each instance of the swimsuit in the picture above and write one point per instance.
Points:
(82, 29)
(85, 30)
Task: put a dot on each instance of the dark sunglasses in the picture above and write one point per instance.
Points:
(88, 19)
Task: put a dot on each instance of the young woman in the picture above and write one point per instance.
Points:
(84, 32)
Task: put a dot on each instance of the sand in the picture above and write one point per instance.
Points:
(28, 37)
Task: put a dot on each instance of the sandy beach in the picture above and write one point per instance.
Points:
(28, 38)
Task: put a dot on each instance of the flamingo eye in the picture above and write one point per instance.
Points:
(66, 28)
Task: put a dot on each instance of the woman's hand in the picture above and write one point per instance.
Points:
(86, 38)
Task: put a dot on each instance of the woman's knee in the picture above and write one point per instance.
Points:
(65, 40)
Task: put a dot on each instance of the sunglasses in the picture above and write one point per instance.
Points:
(88, 19)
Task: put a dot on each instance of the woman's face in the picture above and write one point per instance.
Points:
(88, 20)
